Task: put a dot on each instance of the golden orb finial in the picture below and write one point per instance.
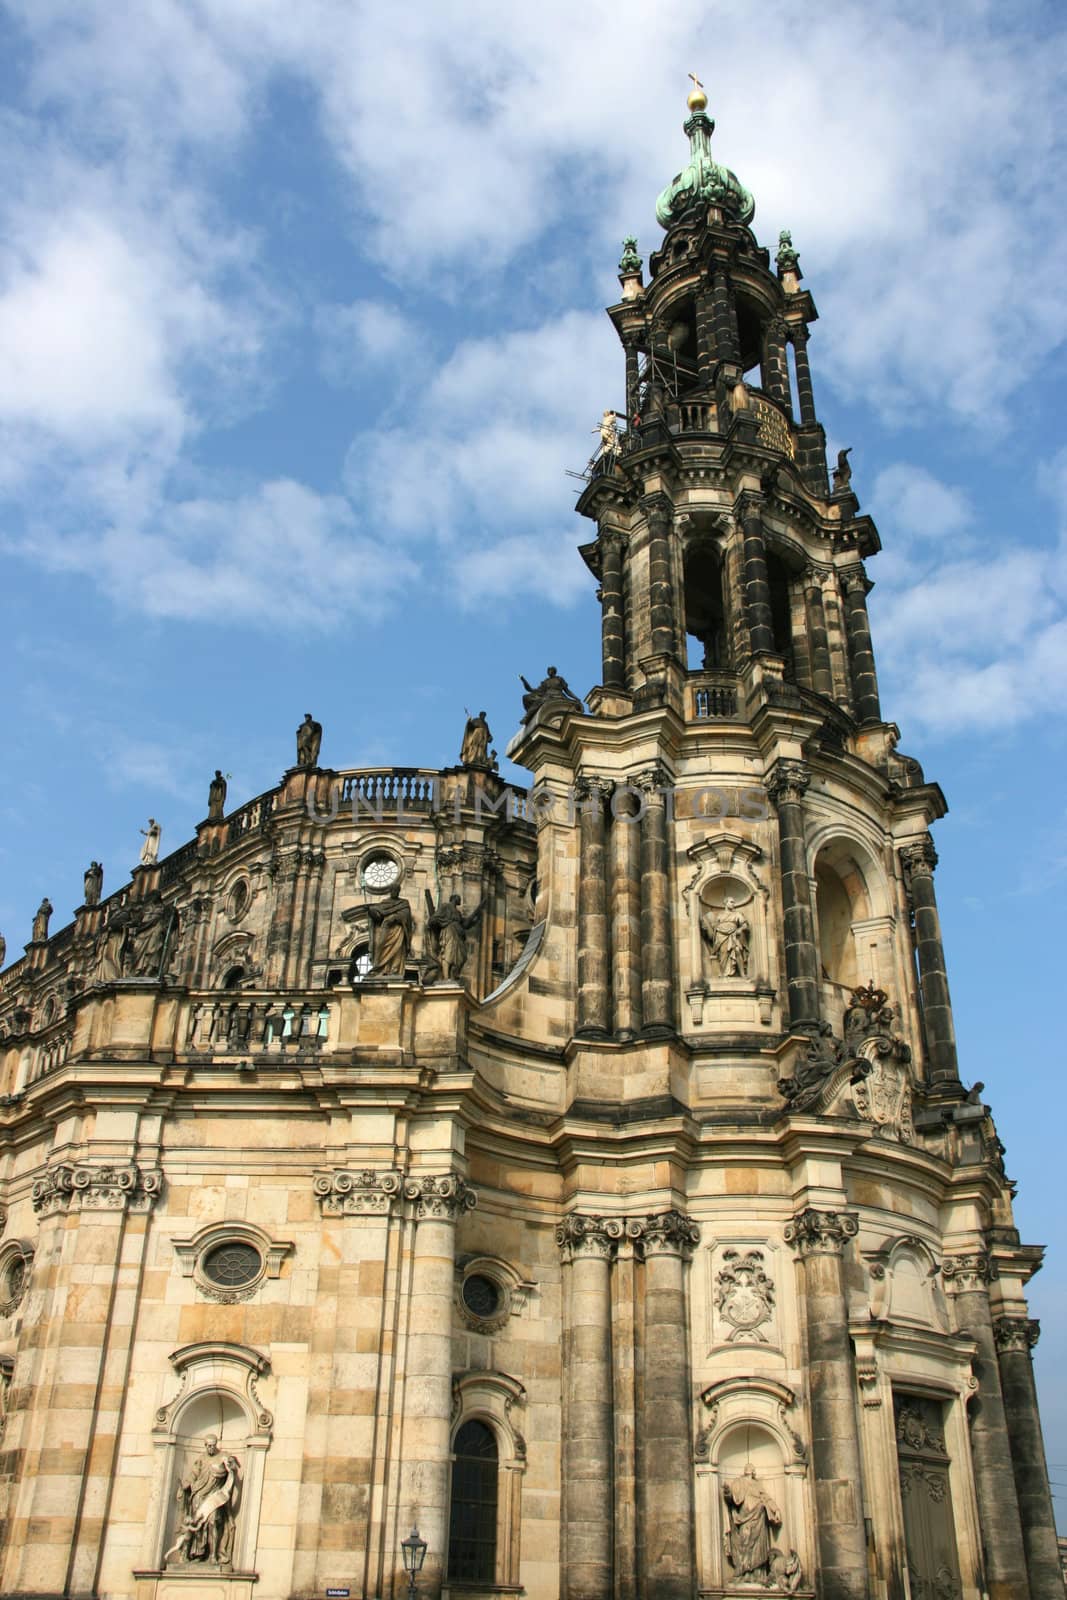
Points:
(698, 100)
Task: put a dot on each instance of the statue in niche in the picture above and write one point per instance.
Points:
(40, 921)
(476, 736)
(752, 1517)
(391, 930)
(551, 688)
(150, 848)
(446, 937)
(216, 797)
(308, 741)
(208, 1495)
(94, 883)
(729, 936)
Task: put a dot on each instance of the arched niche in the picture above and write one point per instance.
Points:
(490, 1400)
(905, 1278)
(731, 953)
(211, 1439)
(747, 1439)
(854, 923)
(706, 624)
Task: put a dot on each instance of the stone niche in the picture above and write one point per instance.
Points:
(731, 983)
(748, 1457)
(212, 1434)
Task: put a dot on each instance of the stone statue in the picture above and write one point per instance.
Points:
(446, 933)
(216, 797)
(111, 946)
(551, 688)
(608, 429)
(3, 949)
(308, 741)
(729, 935)
(40, 921)
(738, 394)
(630, 261)
(787, 258)
(753, 1514)
(208, 1495)
(843, 470)
(476, 737)
(94, 883)
(826, 1053)
(150, 848)
(391, 930)
(143, 952)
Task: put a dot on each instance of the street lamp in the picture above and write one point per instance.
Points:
(413, 1549)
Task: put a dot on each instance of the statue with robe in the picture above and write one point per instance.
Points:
(94, 883)
(40, 921)
(208, 1495)
(728, 935)
(391, 930)
(552, 688)
(753, 1515)
(476, 737)
(216, 797)
(150, 848)
(843, 470)
(308, 741)
(147, 937)
(446, 938)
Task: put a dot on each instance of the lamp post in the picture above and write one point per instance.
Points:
(413, 1549)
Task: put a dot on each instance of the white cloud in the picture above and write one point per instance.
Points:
(524, 567)
(362, 336)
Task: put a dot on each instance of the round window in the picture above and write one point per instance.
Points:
(232, 1265)
(481, 1295)
(15, 1278)
(238, 899)
(380, 872)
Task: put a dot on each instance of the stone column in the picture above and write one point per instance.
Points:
(594, 955)
(920, 859)
(656, 955)
(666, 1487)
(425, 1486)
(865, 700)
(612, 618)
(1015, 1337)
(727, 344)
(660, 589)
(587, 1245)
(632, 381)
(705, 332)
(967, 1277)
(625, 915)
(819, 1239)
(775, 365)
(805, 393)
(822, 677)
(787, 784)
(757, 587)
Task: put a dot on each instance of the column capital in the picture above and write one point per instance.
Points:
(357, 1194)
(814, 1232)
(969, 1271)
(787, 780)
(588, 786)
(658, 507)
(664, 1233)
(919, 856)
(652, 781)
(854, 580)
(748, 503)
(815, 576)
(1016, 1333)
(441, 1198)
(799, 332)
(96, 1186)
(588, 1236)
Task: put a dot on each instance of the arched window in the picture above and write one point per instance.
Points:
(473, 1519)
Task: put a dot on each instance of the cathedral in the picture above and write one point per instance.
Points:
(418, 1184)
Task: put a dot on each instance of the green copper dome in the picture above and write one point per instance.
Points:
(703, 181)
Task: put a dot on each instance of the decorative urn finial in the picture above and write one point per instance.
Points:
(702, 182)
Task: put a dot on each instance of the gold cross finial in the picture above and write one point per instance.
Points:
(697, 98)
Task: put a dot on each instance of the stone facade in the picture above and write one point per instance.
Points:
(636, 1237)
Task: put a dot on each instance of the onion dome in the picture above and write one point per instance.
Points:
(702, 181)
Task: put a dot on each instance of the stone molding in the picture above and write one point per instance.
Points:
(968, 1273)
(370, 1193)
(1016, 1334)
(96, 1187)
(813, 1231)
(787, 781)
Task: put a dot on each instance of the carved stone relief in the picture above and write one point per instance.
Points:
(744, 1295)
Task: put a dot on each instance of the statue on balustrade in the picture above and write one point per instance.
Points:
(447, 945)
(391, 930)
(476, 737)
(728, 934)
(216, 797)
(551, 689)
(308, 741)
(843, 470)
(94, 883)
(208, 1495)
(40, 921)
(150, 848)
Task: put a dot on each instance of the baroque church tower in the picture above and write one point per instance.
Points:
(581, 1174)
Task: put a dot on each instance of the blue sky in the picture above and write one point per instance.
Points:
(301, 325)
